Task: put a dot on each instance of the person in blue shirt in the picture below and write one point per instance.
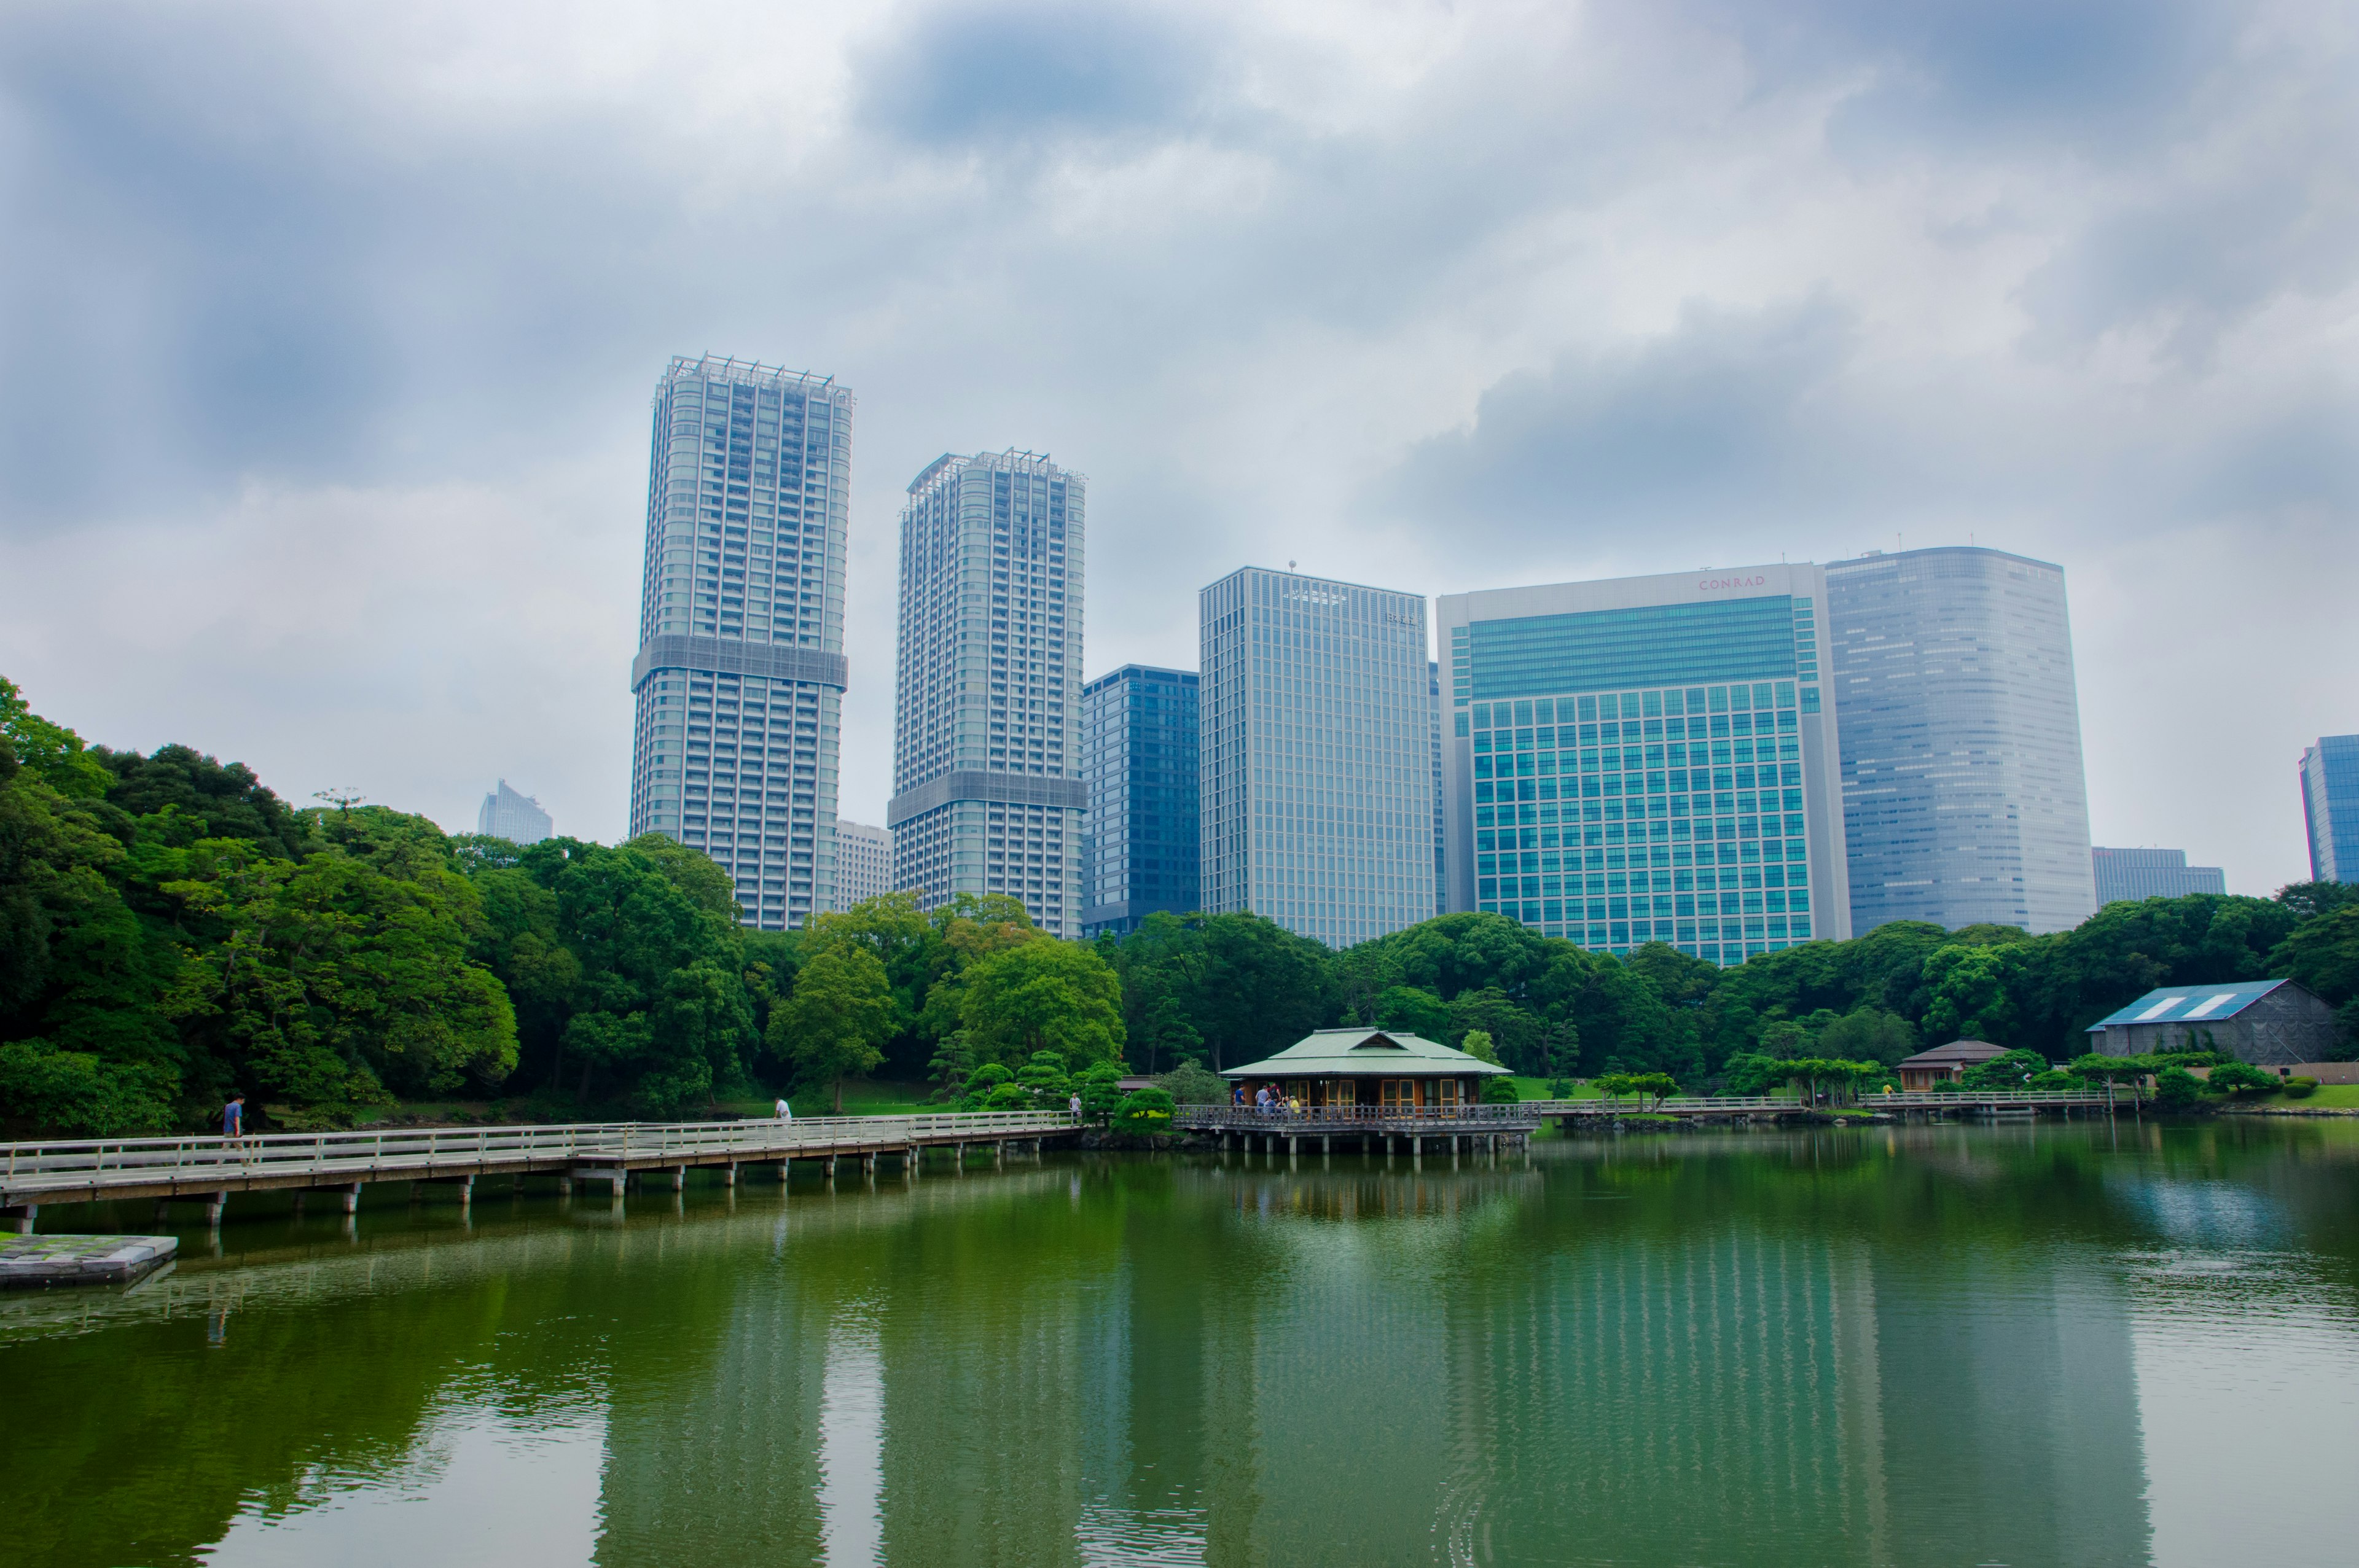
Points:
(234, 1115)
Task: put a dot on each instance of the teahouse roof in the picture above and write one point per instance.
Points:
(1956, 1054)
(1363, 1053)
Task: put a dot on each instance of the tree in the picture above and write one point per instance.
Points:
(1100, 1091)
(1044, 996)
(2307, 901)
(2011, 1070)
(1147, 1110)
(840, 1014)
(1413, 1011)
(2176, 1088)
(1869, 1034)
(1045, 1080)
(1191, 1084)
(2240, 1079)
(1974, 993)
(49, 752)
(1477, 1044)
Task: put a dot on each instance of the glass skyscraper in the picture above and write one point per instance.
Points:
(1647, 760)
(2329, 807)
(1315, 734)
(1963, 797)
(863, 862)
(1138, 758)
(517, 818)
(2126, 875)
(986, 720)
(740, 675)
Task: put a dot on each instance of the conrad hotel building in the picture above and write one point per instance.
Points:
(1647, 760)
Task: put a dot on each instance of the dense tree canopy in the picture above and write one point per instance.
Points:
(170, 930)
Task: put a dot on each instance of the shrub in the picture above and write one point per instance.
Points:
(1192, 1083)
(2176, 1088)
(2054, 1078)
(1007, 1096)
(1100, 1091)
(1500, 1091)
(2240, 1079)
(1947, 1087)
(1144, 1110)
(1560, 1089)
(2301, 1088)
(981, 1083)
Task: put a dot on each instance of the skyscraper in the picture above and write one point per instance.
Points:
(2124, 875)
(1441, 838)
(1138, 759)
(1647, 760)
(1963, 798)
(2329, 807)
(517, 818)
(740, 675)
(863, 862)
(1317, 754)
(987, 723)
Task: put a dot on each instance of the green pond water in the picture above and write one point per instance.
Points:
(2062, 1343)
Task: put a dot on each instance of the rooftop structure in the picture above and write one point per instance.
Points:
(1946, 1063)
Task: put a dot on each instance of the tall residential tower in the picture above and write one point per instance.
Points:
(1647, 760)
(1138, 758)
(987, 796)
(740, 676)
(1963, 797)
(1316, 741)
(2329, 807)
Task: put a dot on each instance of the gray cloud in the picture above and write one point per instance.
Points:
(968, 74)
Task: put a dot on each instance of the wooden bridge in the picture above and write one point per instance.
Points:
(2002, 1103)
(1372, 1127)
(210, 1169)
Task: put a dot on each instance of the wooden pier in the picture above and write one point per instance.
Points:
(1367, 1129)
(209, 1170)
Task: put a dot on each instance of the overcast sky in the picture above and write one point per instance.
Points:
(330, 332)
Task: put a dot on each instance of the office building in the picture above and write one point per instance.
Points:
(863, 862)
(1964, 799)
(986, 720)
(2133, 874)
(517, 818)
(1433, 730)
(740, 675)
(1138, 759)
(2329, 807)
(1647, 760)
(1317, 763)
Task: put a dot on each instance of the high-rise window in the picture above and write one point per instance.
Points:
(1646, 760)
(1315, 746)
(1138, 758)
(740, 676)
(986, 732)
(1963, 796)
(2329, 807)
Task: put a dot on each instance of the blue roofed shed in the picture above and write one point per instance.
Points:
(2270, 1024)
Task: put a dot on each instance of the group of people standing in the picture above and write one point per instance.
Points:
(1267, 1100)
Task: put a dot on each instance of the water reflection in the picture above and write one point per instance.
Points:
(2022, 1345)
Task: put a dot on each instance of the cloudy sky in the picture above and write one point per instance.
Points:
(330, 332)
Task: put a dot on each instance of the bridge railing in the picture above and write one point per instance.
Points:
(1911, 1098)
(429, 1150)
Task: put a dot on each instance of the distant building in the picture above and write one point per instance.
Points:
(1139, 760)
(1647, 760)
(2270, 1024)
(1316, 798)
(1960, 723)
(1946, 1063)
(517, 818)
(739, 681)
(2130, 874)
(1441, 837)
(986, 712)
(863, 862)
(2329, 807)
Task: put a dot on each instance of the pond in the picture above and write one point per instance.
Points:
(2061, 1342)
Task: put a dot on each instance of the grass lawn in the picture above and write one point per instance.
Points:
(1537, 1088)
(2328, 1096)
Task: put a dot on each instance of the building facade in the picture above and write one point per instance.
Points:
(517, 818)
(863, 862)
(1647, 760)
(1138, 758)
(740, 675)
(2267, 1023)
(1963, 796)
(987, 722)
(2126, 875)
(1433, 730)
(2329, 807)
(1314, 734)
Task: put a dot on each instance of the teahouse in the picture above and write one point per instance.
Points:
(1372, 1067)
(1946, 1063)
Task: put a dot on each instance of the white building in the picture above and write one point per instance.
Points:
(518, 818)
(863, 862)
(987, 723)
(1316, 751)
(740, 675)
(1646, 759)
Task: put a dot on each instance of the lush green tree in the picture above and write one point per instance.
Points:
(1100, 1091)
(1242, 986)
(2176, 1088)
(834, 1025)
(1518, 1036)
(2012, 1070)
(2307, 901)
(1191, 1084)
(51, 753)
(1869, 1034)
(2239, 1080)
(2323, 953)
(1500, 1091)
(1477, 1044)
(1045, 1080)
(1975, 991)
(1147, 1110)
(985, 1081)
(1043, 995)
(1412, 1010)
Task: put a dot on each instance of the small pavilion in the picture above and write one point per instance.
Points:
(1382, 1069)
(1946, 1063)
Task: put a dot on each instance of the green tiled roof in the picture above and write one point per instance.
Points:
(1370, 1053)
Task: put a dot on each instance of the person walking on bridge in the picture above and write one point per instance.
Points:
(234, 1115)
(785, 1111)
